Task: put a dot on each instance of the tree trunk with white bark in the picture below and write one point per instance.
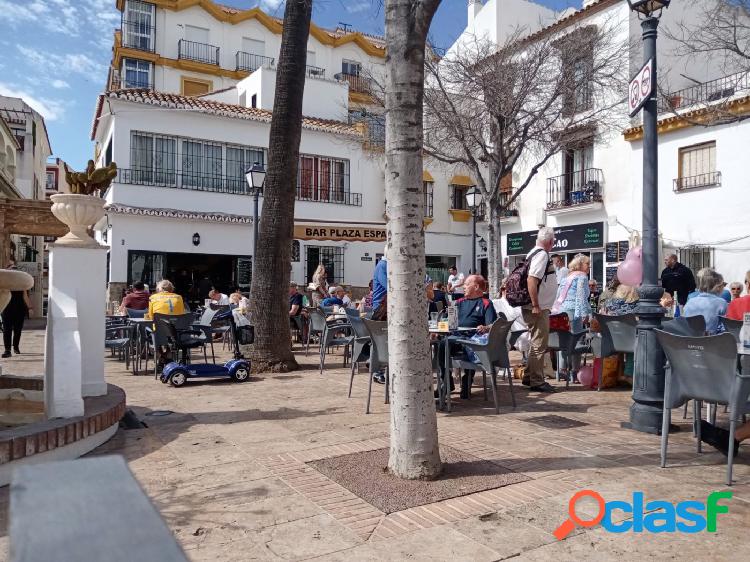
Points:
(414, 451)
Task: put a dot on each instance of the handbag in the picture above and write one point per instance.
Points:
(559, 322)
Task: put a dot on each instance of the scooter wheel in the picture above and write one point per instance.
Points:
(241, 374)
(178, 378)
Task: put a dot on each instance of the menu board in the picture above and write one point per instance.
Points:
(623, 248)
(611, 252)
(611, 272)
(244, 273)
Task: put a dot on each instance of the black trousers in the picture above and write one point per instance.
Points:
(12, 326)
(468, 375)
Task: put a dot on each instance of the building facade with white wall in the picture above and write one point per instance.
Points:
(30, 166)
(591, 192)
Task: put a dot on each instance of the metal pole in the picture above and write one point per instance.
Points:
(474, 241)
(648, 376)
(256, 196)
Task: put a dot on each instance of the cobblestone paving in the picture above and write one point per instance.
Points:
(227, 471)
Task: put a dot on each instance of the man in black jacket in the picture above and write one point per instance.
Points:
(677, 279)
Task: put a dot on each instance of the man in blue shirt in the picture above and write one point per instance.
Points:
(333, 298)
(379, 282)
(473, 311)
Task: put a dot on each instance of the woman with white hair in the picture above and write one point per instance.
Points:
(573, 296)
(707, 303)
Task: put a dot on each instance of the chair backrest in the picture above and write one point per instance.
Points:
(136, 313)
(160, 333)
(618, 333)
(325, 309)
(317, 320)
(168, 330)
(694, 326)
(702, 368)
(358, 325)
(352, 312)
(379, 343)
(497, 345)
(732, 326)
(439, 306)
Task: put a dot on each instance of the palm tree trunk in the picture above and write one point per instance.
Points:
(414, 452)
(272, 349)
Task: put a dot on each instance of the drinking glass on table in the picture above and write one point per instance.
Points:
(433, 319)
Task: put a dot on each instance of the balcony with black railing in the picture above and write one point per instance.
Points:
(581, 187)
(250, 62)
(707, 93)
(199, 52)
(356, 82)
(686, 183)
(315, 72)
(234, 184)
(136, 35)
(508, 210)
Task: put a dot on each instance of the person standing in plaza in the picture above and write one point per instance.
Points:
(320, 285)
(677, 279)
(13, 316)
(542, 285)
(456, 282)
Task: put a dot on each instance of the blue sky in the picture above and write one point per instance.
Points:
(56, 53)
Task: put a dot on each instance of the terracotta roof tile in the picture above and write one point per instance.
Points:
(203, 105)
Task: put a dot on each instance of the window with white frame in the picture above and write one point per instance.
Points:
(697, 166)
(322, 179)
(136, 73)
(138, 25)
(352, 68)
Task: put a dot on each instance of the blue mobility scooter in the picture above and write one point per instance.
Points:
(178, 372)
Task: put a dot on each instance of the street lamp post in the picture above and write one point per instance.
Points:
(256, 179)
(648, 375)
(473, 200)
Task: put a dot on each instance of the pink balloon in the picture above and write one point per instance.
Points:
(630, 272)
(586, 375)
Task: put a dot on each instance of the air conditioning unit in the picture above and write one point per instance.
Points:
(541, 217)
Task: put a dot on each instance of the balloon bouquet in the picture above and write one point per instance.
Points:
(629, 272)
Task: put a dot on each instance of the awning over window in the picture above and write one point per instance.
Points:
(427, 176)
(463, 180)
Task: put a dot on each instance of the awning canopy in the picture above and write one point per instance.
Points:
(427, 176)
(463, 180)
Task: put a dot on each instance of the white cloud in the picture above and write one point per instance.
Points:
(60, 84)
(271, 4)
(51, 110)
(359, 6)
(52, 63)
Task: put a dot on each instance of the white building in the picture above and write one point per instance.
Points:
(30, 161)
(591, 193)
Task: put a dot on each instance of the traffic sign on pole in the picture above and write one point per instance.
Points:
(641, 88)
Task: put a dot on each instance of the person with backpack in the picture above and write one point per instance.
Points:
(533, 286)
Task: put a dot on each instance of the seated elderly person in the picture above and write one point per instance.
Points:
(295, 300)
(137, 299)
(336, 297)
(474, 311)
(707, 302)
(165, 300)
(217, 297)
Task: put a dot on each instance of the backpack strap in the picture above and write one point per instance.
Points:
(546, 267)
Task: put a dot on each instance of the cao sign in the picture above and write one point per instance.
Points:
(641, 87)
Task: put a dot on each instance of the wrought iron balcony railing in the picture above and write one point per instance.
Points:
(507, 211)
(708, 92)
(711, 179)
(200, 52)
(250, 62)
(235, 185)
(136, 35)
(315, 72)
(575, 188)
(356, 83)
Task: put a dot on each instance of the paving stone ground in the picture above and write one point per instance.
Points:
(228, 471)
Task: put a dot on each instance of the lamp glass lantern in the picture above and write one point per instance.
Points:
(256, 177)
(648, 7)
(473, 198)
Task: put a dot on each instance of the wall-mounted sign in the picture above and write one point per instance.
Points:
(616, 251)
(344, 233)
(366, 258)
(567, 239)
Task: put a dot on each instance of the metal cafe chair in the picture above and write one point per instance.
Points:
(378, 355)
(703, 369)
(732, 326)
(617, 336)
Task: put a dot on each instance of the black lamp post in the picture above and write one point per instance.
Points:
(256, 179)
(473, 201)
(648, 375)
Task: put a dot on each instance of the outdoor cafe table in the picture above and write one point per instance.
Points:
(444, 392)
(140, 328)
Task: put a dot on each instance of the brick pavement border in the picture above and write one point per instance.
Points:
(369, 523)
